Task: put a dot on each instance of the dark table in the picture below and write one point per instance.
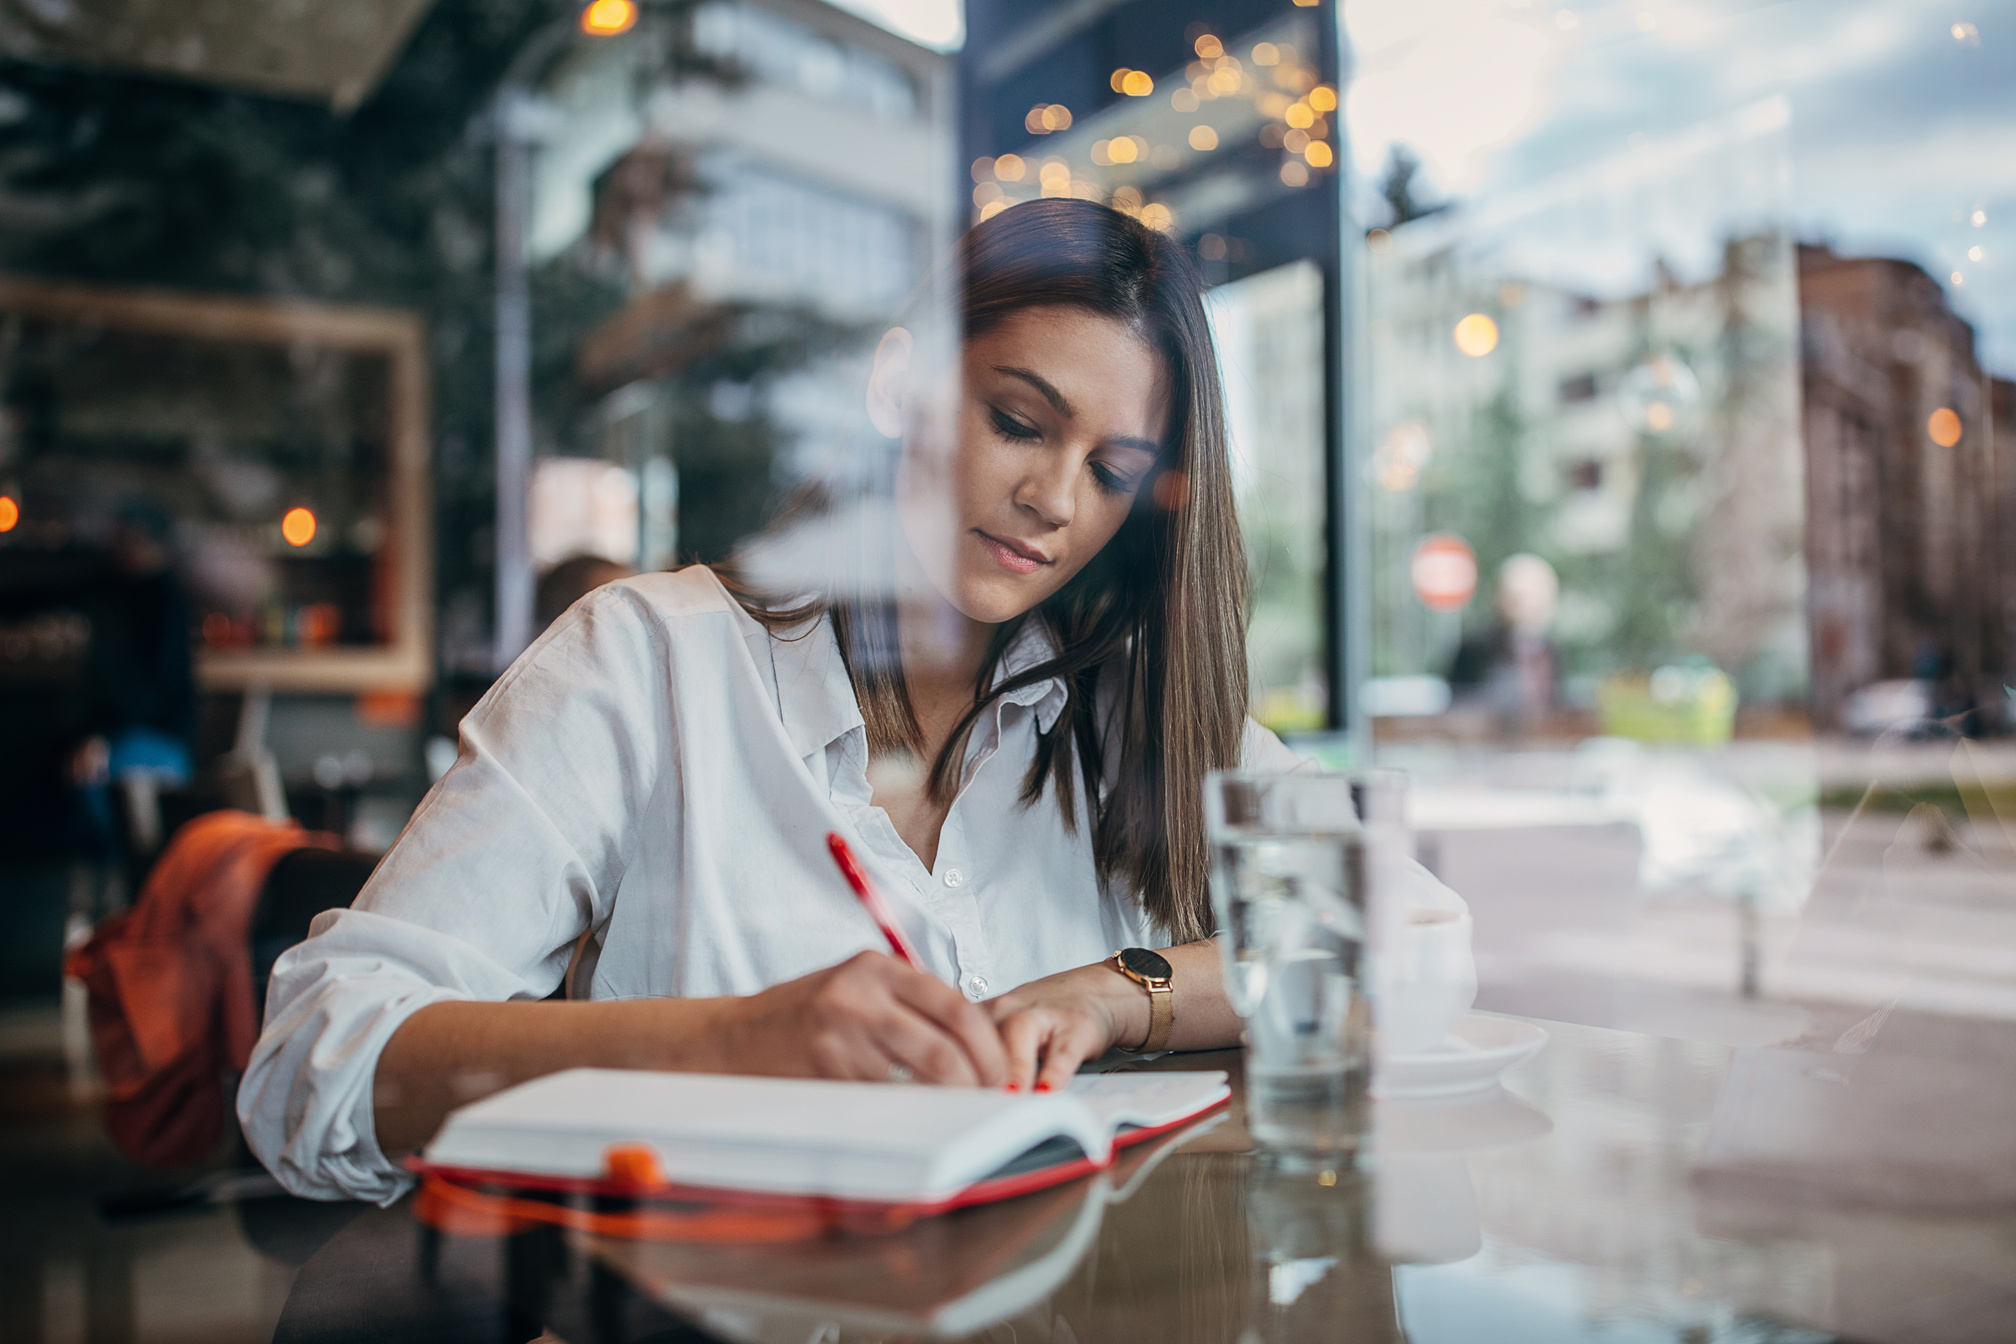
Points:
(1616, 1188)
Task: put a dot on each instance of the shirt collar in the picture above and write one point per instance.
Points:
(816, 699)
(814, 696)
(1032, 646)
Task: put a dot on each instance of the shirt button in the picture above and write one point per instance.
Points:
(976, 986)
(954, 878)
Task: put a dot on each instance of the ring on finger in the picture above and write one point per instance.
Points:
(899, 1072)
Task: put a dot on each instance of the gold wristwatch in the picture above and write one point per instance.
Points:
(1152, 972)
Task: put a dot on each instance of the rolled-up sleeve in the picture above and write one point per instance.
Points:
(516, 851)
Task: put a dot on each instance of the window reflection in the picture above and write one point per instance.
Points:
(1624, 442)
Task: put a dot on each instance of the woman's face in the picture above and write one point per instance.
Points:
(1017, 473)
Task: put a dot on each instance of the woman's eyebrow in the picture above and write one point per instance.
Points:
(1062, 406)
(1041, 384)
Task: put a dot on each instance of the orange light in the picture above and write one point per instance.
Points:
(1476, 335)
(1317, 153)
(1009, 168)
(1944, 427)
(1323, 98)
(298, 526)
(10, 513)
(1138, 84)
(607, 18)
(1209, 47)
(1203, 138)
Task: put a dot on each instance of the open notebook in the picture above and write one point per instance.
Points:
(925, 1148)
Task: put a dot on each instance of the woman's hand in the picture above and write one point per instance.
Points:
(1053, 1025)
(859, 1018)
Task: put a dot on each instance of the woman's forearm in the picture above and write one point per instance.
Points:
(449, 1054)
(859, 1019)
(1204, 1016)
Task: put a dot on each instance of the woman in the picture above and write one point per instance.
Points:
(1012, 734)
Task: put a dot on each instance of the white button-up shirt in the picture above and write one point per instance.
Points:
(661, 771)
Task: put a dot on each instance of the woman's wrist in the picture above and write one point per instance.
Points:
(1127, 1003)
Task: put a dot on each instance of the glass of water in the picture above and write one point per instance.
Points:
(1293, 864)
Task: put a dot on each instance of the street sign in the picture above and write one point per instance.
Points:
(1444, 572)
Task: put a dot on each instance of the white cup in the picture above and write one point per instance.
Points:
(1426, 979)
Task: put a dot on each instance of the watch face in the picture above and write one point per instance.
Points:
(1145, 963)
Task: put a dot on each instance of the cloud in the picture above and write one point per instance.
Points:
(1452, 79)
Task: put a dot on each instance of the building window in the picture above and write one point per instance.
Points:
(773, 236)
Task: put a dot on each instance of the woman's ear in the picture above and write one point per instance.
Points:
(889, 385)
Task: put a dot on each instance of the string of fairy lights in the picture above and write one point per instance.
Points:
(1295, 111)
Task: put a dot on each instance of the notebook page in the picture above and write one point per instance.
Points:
(1148, 1100)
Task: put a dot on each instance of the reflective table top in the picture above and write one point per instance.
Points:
(1615, 1187)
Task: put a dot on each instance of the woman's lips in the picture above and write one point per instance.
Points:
(1011, 556)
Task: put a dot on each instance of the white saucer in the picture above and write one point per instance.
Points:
(1476, 1051)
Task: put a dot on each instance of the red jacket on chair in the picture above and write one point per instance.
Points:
(170, 985)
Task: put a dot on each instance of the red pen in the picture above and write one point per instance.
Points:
(857, 878)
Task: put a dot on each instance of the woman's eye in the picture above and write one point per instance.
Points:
(1013, 428)
(1110, 480)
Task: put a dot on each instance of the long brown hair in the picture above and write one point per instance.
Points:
(1160, 611)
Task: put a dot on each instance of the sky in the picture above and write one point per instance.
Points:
(1902, 112)
(1902, 121)
(940, 24)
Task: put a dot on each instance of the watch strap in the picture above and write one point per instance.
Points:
(1161, 1019)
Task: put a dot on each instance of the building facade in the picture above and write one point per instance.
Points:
(1909, 452)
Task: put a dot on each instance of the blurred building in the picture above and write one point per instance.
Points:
(1640, 438)
(725, 202)
(1910, 456)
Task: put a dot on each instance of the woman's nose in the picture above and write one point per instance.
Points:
(1047, 493)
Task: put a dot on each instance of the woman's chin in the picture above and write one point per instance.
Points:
(994, 599)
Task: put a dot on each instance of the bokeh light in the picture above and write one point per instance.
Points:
(1323, 98)
(1209, 47)
(1010, 168)
(1266, 53)
(298, 527)
(1944, 427)
(1203, 138)
(1137, 84)
(1047, 117)
(1476, 335)
(1295, 173)
(1317, 153)
(608, 18)
(1158, 216)
(10, 513)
